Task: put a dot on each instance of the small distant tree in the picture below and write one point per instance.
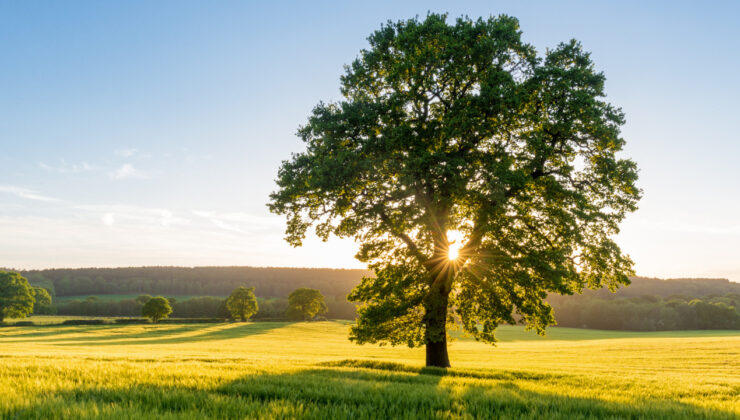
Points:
(42, 301)
(307, 303)
(16, 296)
(143, 299)
(242, 303)
(156, 308)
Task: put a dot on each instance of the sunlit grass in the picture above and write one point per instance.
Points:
(310, 370)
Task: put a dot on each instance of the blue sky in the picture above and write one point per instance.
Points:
(150, 133)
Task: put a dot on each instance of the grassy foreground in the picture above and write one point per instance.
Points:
(310, 370)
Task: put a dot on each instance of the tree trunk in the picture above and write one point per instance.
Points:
(437, 354)
(435, 325)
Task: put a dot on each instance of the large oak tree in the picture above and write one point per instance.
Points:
(476, 175)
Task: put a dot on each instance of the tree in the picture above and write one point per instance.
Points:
(242, 303)
(307, 303)
(42, 301)
(16, 296)
(156, 308)
(143, 299)
(476, 176)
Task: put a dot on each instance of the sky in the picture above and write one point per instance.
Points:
(150, 133)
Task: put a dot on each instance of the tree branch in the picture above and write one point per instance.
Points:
(402, 236)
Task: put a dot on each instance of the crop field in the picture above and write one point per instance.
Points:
(311, 370)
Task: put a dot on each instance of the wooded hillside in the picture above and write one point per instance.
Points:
(279, 282)
(648, 304)
(205, 281)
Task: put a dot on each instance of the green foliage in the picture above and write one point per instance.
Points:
(37, 279)
(242, 303)
(141, 299)
(306, 303)
(689, 288)
(223, 311)
(203, 306)
(461, 128)
(99, 307)
(156, 308)
(192, 281)
(16, 296)
(646, 305)
(648, 313)
(42, 301)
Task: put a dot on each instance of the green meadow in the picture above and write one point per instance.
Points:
(311, 370)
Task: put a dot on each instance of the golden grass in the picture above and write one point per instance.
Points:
(311, 370)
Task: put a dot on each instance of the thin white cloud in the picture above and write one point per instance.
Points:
(126, 152)
(127, 171)
(67, 168)
(70, 241)
(25, 193)
(132, 215)
(241, 222)
(225, 226)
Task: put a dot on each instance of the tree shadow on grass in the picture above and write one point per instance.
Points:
(211, 332)
(389, 390)
(353, 392)
(464, 373)
(98, 334)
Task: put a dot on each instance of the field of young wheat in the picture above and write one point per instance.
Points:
(311, 370)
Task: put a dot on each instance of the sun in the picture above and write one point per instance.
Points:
(453, 252)
(455, 238)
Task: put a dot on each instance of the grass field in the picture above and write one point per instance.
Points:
(310, 370)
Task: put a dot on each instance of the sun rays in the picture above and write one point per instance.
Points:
(455, 239)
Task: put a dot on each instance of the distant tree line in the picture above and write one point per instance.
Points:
(307, 304)
(686, 287)
(202, 281)
(648, 304)
(648, 312)
(270, 282)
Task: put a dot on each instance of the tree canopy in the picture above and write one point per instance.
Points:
(16, 296)
(143, 299)
(242, 303)
(42, 301)
(477, 176)
(156, 308)
(306, 303)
